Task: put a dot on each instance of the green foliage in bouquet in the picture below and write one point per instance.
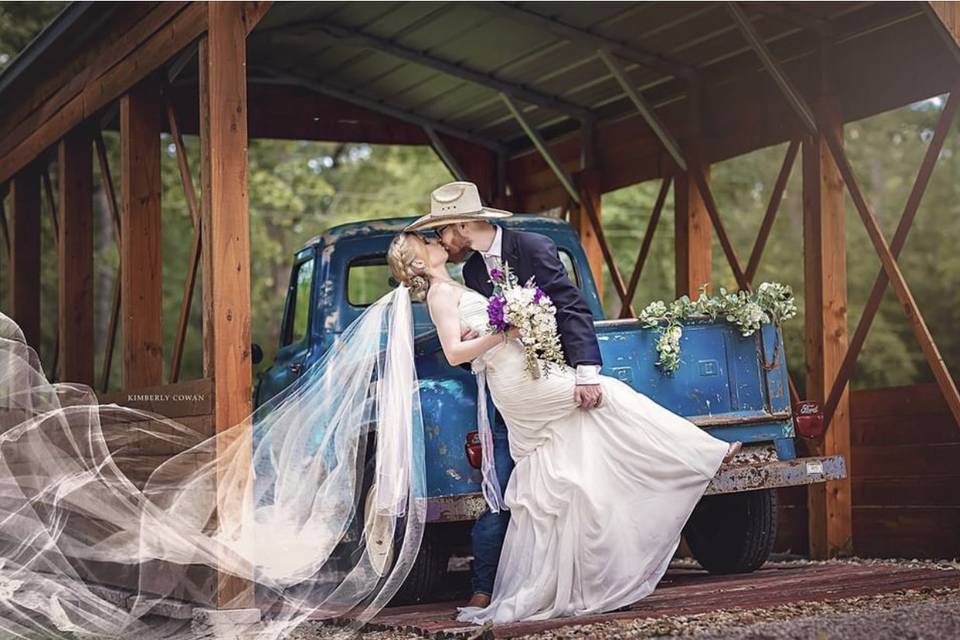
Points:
(771, 302)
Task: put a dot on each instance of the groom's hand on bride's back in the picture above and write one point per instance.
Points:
(588, 396)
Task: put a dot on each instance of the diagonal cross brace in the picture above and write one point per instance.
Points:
(441, 149)
(646, 111)
(896, 245)
(571, 190)
(892, 270)
(794, 97)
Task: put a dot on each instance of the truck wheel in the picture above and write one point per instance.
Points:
(428, 576)
(733, 532)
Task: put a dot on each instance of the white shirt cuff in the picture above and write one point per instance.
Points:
(588, 374)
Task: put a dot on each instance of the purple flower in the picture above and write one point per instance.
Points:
(537, 295)
(495, 314)
(496, 274)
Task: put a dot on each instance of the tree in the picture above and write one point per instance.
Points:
(20, 22)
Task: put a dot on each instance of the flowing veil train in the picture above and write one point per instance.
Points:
(108, 513)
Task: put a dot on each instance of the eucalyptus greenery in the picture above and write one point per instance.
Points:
(771, 302)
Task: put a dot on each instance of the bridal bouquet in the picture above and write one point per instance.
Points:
(531, 311)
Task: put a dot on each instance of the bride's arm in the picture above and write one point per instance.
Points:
(443, 311)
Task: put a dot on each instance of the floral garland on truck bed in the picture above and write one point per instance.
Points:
(771, 302)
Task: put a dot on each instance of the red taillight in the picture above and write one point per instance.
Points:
(473, 449)
(809, 419)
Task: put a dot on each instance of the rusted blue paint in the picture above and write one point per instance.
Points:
(721, 382)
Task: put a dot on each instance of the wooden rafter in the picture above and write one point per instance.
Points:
(193, 205)
(892, 270)
(896, 245)
(645, 246)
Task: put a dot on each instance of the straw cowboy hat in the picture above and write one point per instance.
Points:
(456, 202)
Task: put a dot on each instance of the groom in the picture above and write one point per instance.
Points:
(463, 224)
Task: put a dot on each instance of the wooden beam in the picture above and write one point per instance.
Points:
(193, 206)
(75, 249)
(117, 66)
(646, 111)
(588, 183)
(794, 98)
(896, 245)
(440, 148)
(646, 243)
(701, 178)
(140, 253)
(106, 180)
(900, 286)
(946, 19)
(561, 174)
(773, 206)
(693, 240)
(52, 208)
(747, 110)
(226, 264)
(825, 298)
(24, 254)
(3, 221)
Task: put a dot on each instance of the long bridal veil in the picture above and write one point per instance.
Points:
(115, 521)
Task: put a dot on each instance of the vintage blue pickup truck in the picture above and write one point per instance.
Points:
(734, 386)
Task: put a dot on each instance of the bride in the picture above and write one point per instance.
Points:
(597, 498)
(108, 514)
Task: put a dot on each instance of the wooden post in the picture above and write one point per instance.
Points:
(226, 262)
(25, 254)
(141, 263)
(693, 235)
(75, 247)
(825, 293)
(588, 186)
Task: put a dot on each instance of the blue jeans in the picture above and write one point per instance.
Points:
(490, 528)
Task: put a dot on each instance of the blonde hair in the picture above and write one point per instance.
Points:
(401, 256)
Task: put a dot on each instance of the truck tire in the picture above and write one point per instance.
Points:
(428, 576)
(733, 532)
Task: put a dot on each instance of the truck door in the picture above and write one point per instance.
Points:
(294, 349)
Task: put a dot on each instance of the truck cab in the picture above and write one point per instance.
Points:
(735, 387)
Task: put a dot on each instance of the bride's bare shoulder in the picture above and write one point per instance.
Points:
(443, 294)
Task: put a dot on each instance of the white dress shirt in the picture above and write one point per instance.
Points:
(493, 257)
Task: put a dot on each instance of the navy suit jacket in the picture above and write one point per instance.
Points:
(533, 254)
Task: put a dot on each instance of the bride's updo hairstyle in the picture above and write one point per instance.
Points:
(405, 257)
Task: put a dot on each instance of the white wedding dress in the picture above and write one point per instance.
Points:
(598, 497)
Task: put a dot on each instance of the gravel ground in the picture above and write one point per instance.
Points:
(928, 614)
(920, 614)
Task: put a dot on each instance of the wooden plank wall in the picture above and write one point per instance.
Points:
(905, 466)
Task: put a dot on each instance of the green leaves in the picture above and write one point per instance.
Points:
(771, 302)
